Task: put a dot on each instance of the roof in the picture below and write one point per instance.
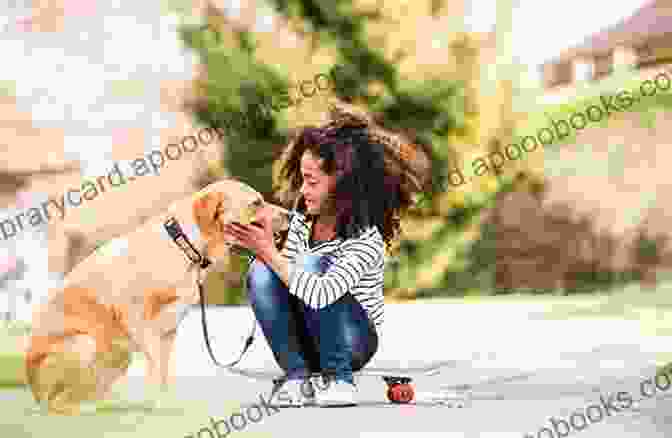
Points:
(652, 19)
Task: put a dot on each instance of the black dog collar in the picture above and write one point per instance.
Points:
(174, 229)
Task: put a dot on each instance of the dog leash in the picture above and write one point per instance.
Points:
(251, 259)
(174, 230)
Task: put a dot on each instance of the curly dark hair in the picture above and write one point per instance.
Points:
(375, 180)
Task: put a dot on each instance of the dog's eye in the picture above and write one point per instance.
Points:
(258, 203)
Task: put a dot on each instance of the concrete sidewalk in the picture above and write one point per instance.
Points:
(554, 367)
(522, 368)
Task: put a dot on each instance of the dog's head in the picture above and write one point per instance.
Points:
(230, 201)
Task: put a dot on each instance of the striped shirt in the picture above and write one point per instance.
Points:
(355, 265)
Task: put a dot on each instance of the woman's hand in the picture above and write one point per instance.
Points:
(257, 238)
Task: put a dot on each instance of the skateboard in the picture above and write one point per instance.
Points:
(399, 381)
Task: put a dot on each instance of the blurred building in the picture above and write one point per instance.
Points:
(77, 101)
(608, 195)
(642, 41)
(24, 260)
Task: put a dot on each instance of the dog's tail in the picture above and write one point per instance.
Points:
(61, 380)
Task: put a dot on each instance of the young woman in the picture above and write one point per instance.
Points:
(319, 300)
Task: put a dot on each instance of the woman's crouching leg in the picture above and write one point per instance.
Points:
(347, 338)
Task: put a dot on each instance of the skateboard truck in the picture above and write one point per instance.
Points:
(401, 391)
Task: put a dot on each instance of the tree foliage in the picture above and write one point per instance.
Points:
(435, 111)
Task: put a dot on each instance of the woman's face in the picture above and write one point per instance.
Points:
(316, 185)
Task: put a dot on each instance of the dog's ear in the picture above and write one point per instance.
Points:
(205, 211)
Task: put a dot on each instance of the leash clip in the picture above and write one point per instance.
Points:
(172, 226)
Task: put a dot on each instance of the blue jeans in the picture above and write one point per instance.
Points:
(337, 339)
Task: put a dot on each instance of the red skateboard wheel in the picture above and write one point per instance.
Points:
(400, 393)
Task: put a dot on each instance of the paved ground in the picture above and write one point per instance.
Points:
(529, 369)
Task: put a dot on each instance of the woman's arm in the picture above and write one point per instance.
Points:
(320, 290)
(282, 261)
(260, 240)
(316, 290)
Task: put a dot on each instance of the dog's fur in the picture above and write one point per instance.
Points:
(113, 304)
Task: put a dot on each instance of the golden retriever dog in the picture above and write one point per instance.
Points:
(120, 300)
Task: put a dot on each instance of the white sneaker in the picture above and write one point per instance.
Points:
(292, 393)
(337, 393)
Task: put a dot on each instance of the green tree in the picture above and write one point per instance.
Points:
(434, 109)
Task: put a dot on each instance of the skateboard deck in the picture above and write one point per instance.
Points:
(399, 382)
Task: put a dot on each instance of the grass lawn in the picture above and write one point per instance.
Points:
(11, 356)
(11, 370)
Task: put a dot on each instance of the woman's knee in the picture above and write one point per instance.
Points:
(260, 277)
(262, 284)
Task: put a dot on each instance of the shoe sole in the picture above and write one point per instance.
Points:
(303, 404)
(335, 403)
(277, 383)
